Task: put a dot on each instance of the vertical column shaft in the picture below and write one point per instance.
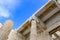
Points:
(33, 34)
(46, 36)
(5, 30)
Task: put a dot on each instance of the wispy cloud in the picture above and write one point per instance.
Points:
(4, 12)
(6, 6)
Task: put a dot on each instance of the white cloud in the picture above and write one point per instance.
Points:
(6, 6)
(4, 13)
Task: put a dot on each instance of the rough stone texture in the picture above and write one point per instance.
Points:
(46, 36)
(15, 36)
(33, 34)
(33, 29)
(5, 30)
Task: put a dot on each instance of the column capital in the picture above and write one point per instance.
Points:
(35, 18)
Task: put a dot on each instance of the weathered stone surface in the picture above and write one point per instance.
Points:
(5, 30)
(14, 35)
(33, 33)
(34, 28)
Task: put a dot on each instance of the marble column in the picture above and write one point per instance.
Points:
(5, 30)
(33, 33)
(45, 36)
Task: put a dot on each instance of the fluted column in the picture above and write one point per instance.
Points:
(33, 34)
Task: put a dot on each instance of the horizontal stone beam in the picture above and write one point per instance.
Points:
(26, 24)
(26, 31)
(55, 25)
(44, 8)
(50, 14)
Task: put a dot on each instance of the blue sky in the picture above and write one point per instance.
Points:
(18, 10)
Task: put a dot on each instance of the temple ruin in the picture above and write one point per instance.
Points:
(44, 24)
